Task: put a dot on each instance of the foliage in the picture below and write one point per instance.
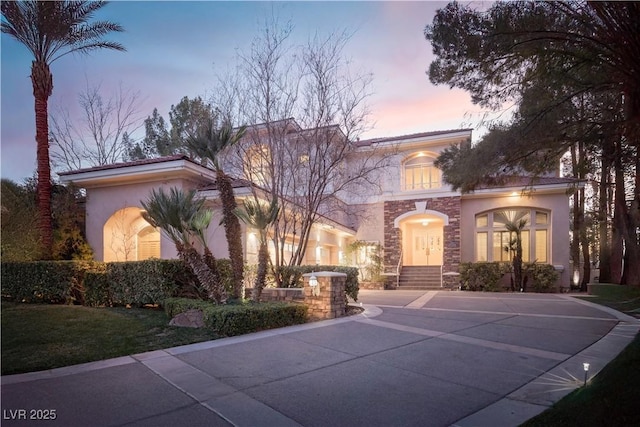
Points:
(174, 306)
(608, 399)
(103, 284)
(241, 318)
(260, 216)
(572, 71)
(543, 276)
(208, 143)
(184, 218)
(20, 238)
(292, 276)
(486, 276)
(69, 240)
(145, 282)
(41, 337)
(482, 276)
(51, 30)
(52, 282)
(368, 259)
(184, 118)
(514, 226)
(231, 320)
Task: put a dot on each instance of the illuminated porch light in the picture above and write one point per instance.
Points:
(313, 283)
(514, 194)
(425, 222)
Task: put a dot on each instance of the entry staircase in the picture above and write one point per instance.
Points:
(422, 277)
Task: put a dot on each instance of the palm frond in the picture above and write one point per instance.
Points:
(52, 29)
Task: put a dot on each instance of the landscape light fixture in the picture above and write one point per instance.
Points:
(586, 372)
(313, 283)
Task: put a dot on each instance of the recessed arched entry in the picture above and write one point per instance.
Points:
(128, 237)
(422, 232)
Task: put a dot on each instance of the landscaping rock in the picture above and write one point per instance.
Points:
(189, 319)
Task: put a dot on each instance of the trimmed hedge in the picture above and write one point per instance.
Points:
(543, 276)
(292, 276)
(238, 319)
(135, 283)
(132, 282)
(52, 282)
(97, 283)
(485, 276)
(482, 276)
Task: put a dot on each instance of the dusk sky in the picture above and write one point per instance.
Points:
(175, 49)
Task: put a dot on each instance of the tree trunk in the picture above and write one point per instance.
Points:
(575, 237)
(233, 231)
(619, 217)
(517, 263)
(261, 276)
(604, 256)
(200, 268)
(42, 82)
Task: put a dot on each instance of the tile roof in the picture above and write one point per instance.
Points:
(367, 142)
(131, 163)
(524, 181)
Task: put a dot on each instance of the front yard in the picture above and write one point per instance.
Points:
(40, 336)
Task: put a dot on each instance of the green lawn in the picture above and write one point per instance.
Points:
(611, 398)
(37, 337)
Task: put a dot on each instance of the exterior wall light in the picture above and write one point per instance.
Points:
(586, 372)
(313, 283)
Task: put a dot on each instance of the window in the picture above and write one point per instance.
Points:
(256, 164)
(496, 242)
(420, 174)
(148, 243)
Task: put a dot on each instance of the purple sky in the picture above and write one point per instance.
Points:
(174, 49)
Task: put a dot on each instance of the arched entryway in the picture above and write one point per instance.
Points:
(422, 240)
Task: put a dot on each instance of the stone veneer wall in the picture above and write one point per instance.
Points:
(449, 206)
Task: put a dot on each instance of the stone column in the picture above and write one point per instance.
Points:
(326, 300)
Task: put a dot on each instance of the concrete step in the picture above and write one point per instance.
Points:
(421, 288)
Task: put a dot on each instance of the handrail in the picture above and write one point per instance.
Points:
(398, 268)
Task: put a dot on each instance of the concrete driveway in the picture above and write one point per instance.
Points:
(412, 358)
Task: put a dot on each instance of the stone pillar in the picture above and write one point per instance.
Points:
(327, 300)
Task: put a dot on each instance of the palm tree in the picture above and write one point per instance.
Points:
(207, 144)
(51, 30)
(184, 218)
(260, 217)
(515, 225)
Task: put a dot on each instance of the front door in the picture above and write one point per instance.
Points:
(423, 244)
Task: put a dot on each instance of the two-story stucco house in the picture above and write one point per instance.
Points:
(414, 215)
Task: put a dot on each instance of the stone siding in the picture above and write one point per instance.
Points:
(449, 206)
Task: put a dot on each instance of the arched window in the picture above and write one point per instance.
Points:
(420, 174)
(128, 237)
(494, 242)
(148, 243)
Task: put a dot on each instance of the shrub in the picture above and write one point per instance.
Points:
(485, 276)
(53, 282)
(175, 306)
(294, 276)
(481, 276)
(243, 318)
(231, 320)
(543, 276)
(97, 289)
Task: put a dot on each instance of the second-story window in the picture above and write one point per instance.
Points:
(420, 174)
(256, 164)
